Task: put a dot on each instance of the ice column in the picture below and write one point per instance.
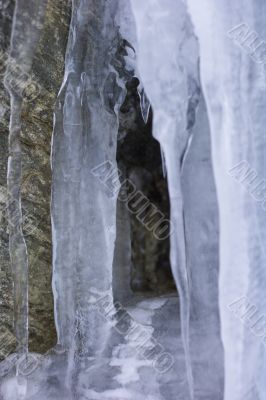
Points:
(84, 153)
(165, 43)
(231, 36)
(202, 249)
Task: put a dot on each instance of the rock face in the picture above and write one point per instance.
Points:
(36, 135)
(35, 138)
(6, 298)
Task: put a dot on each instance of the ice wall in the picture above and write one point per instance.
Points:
(234, 85)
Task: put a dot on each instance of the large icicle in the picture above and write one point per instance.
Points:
(27, 22)
(232, 76)
(83, 208)
(162, 29)
(202, 247)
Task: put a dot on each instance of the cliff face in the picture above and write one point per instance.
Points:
(36, 131)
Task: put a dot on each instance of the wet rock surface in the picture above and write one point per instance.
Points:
(35, 137)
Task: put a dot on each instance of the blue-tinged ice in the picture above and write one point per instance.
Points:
(232, 45)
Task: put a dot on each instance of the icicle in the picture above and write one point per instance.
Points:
(202, 248)
(162, 71)
(163, 162)
(231, 77)
(85, 180)
(27, 22)
(144, 103)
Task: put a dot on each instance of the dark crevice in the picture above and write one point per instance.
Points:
(139, 159)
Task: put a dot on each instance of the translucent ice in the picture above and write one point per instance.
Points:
(235, 94)
(164, 34)
(83, 209)
(218, 266)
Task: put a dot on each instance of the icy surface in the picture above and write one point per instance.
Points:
(166, 86)
(91, 231)
(123, 372)
(202, 248)
(122, 255)
(83, 209)
(168, 65)
(235, 95)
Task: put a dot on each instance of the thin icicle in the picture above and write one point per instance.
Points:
(163, 163)
(144, 104)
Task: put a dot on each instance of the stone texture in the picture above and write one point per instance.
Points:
(6, 285)
(36, 133)
(37, 120)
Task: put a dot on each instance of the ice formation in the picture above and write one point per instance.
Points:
(168, 65)
(207, 96)
(235, 96)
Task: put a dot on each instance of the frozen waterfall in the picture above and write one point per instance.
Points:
(157, 203)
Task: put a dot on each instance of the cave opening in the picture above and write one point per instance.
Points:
(143, 264)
